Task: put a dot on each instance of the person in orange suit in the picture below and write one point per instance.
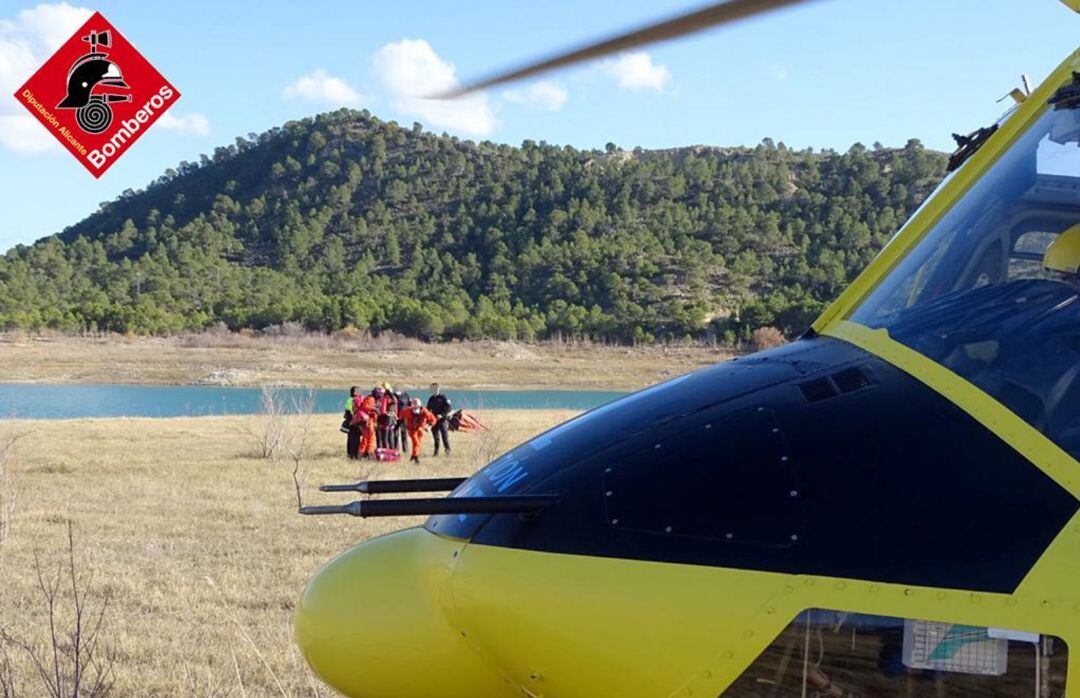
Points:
(366, 413)
(417, 418)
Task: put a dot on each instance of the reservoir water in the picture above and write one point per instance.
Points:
(45, 401)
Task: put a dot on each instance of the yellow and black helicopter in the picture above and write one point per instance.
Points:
(886, 507)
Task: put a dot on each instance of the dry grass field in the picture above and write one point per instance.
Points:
(336, 361)
(195, 541)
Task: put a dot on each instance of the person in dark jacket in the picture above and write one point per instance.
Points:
(439, 405)
(352, 441)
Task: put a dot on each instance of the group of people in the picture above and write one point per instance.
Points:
(379, 422)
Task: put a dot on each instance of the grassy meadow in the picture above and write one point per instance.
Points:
(194, 540)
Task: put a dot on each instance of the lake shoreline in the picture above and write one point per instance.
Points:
(118, 401)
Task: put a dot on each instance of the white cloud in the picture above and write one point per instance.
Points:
(23, 134)
(543, 94)
(187, 123)
(780, 73)
(26, 41)
(636, 71)
(411, 72)
(318, 86)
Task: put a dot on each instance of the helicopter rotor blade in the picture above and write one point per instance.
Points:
(689, 23)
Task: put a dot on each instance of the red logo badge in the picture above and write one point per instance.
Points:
(97, 95)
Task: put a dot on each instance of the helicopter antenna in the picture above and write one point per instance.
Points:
(501, 504)
(444, 484)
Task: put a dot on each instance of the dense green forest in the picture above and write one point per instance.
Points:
(346, 220)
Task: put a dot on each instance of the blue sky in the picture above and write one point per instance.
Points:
(824, 75)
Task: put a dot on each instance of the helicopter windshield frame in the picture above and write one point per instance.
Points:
(959, 297)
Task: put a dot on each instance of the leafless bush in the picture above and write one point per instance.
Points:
(286, 329)
(296, 439)
(267, 431)
(7, 671)
(73, 662)
(488, 447)
(9, 481)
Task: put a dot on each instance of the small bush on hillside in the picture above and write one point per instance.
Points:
(766, 338)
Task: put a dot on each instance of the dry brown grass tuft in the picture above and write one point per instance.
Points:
(197, 542)
(9, 482)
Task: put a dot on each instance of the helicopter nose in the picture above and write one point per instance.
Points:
(375, 622)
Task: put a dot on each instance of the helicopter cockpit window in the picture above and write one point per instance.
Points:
(992, 292)
(833, 653)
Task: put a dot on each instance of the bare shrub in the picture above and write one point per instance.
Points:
(295, 444)
(7, 671)
(73, 662)
(766, 338)
(286, 329)
(267, 430)
(9, 481)
(487, 447)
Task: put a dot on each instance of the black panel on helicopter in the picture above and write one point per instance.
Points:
(794, 461)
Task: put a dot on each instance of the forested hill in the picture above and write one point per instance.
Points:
(345, 220)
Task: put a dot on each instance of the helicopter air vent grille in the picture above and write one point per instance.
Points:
(851, 379)
(818, 389)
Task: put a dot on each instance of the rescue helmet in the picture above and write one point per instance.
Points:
(1063, 254)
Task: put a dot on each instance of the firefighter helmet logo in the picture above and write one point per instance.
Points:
(97, 94)
(90, 72)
